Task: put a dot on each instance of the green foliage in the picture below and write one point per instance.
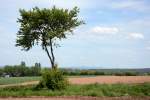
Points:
(1, 71)
(23, 63)
(131, 73)
(54, 80)
(99, 72)
(45, 24)
(126, 74)
(21, 70)
(35, 70)
(9, 70)
(45, 27)
(40, 85)
(148, 73)
(101, 90)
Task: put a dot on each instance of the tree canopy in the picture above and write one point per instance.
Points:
(45, 26)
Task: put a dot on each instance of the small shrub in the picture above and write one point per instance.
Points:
(99, 73)
(131, 74)
(54, 80)
(40, 85)
(118, 74)
(148, 73)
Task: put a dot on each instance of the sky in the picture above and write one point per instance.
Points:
(116, 34)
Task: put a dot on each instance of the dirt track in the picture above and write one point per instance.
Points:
(98, 79)
(78, 98)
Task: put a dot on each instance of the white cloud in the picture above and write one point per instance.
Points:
(135, 36)
(104, 30)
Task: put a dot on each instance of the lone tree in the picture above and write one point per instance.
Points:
(45, 27)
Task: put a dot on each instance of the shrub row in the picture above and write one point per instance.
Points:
(91, 72)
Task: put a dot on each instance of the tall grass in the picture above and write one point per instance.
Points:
(82, 90)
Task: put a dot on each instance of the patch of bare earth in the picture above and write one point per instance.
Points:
(97, 79)
(110, 79)
(77, 98)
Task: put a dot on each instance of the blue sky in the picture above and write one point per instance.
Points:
(116, 34)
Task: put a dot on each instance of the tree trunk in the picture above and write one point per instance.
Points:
(52, 53)
(50, 56)
(51, 61)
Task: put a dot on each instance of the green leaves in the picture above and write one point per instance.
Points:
(45, 26)
(42, 25)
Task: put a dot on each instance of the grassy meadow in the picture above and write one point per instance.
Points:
(99, 90)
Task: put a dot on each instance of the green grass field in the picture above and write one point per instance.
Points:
(81, 90)
(17, 80)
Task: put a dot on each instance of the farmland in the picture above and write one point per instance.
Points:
(80, 80)
(81, 88)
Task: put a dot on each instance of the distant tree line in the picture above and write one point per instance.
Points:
(98, 72)
(21, 70)
(36, 70)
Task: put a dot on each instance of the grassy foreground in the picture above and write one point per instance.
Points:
(81, 90)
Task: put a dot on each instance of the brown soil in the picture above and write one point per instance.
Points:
(77, 98)
(98, 79)
(110, 79)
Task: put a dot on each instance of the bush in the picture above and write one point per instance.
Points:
(148, 73)
(99, 73)
(40, 85)
(131, 74)
(119, 74)
(53, 79)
